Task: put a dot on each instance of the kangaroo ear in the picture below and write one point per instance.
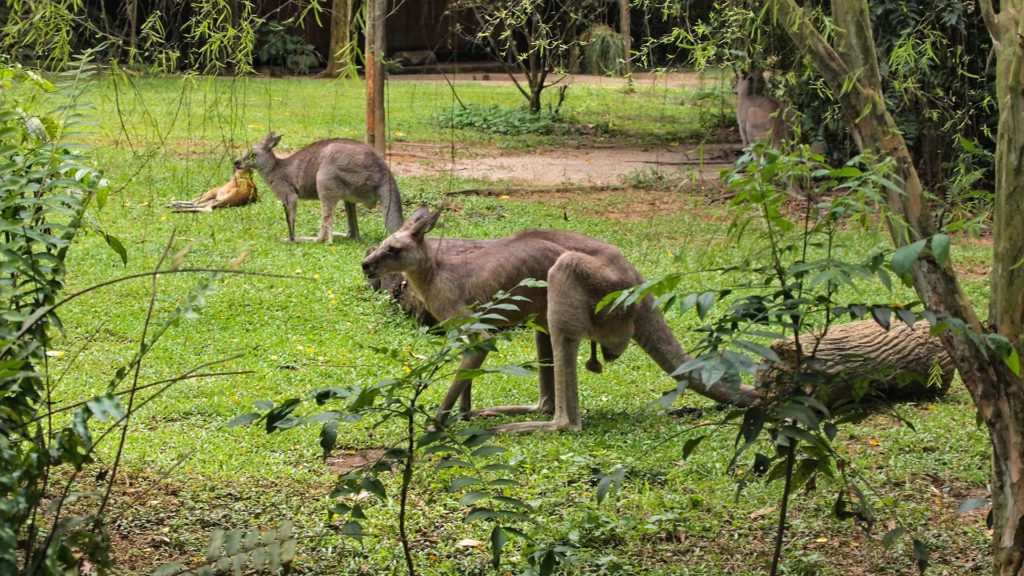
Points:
(274, 139)
(422, 221)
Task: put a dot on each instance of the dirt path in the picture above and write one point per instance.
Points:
(576, 166)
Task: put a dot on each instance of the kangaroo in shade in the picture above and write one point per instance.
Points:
(333, 171)
(579, 271)
(761, 118)
(239, 191)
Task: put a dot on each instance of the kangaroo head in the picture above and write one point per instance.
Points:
(748, 83)
(257, 156)
(405, 250)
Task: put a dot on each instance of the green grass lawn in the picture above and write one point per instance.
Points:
(187, 474)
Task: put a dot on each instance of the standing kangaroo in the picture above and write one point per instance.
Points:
(579, 271)
(759, 116)
(332, 170)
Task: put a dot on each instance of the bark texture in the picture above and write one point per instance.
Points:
(862, 359)
(341, 35)
(1001, 402)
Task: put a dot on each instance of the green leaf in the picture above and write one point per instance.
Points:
(328, 436)
(244, 419)
(473, 496)
(276, 418)
(480, 514)
(904, 258)
(462, 482)
(907, 316)
(921, 555)
(759, 350)
(498, 541)
(610, 481)
(374, 486)
(691, 444)
(168, 569)
(704, 303)
(1002, 346)
(117, 247)
(1013, 361)
(882, 315)
(940, 248)
(106, 408)
(488, 450)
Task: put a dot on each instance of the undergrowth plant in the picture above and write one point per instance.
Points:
(423, 438)
(498, 120)
(797, 287)
(55, 497)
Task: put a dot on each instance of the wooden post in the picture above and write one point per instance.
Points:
(376, 44)
(341, 35)
(627, 39)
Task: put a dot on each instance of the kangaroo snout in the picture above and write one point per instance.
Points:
(237, 163)
(369, 269)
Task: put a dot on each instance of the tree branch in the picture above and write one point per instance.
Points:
(988, 14)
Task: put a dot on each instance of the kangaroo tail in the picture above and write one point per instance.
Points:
(391, 202)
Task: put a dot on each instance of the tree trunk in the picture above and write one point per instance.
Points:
(376, 44)
(627, 38)
(997, 392)
(1002, 404)
(341, 36)
(862, 359)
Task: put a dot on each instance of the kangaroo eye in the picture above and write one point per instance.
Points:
(391, 251)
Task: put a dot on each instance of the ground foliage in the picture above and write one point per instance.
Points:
(299, 336)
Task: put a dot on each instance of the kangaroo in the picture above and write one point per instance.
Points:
(759, 116)
(337, 170)
(239, 191)
(579, 270)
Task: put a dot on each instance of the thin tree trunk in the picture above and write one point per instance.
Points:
(341, 36)
(627, 38)
(376, 43)
(1003, 406)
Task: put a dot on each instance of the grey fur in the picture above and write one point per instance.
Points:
(760, 116)
(333, 171)
(579, 271)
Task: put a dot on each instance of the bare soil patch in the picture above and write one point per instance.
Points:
(574, 166)
(343, 461)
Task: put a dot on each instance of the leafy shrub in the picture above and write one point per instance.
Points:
(45, 191)
(498, 120)
(278, 46)
(603, 50)
(486, 492)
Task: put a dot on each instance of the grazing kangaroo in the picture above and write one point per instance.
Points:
(760, 116)
(337, 170)
(579, 271)
(239, 191)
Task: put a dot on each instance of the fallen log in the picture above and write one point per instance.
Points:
(862, 360)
